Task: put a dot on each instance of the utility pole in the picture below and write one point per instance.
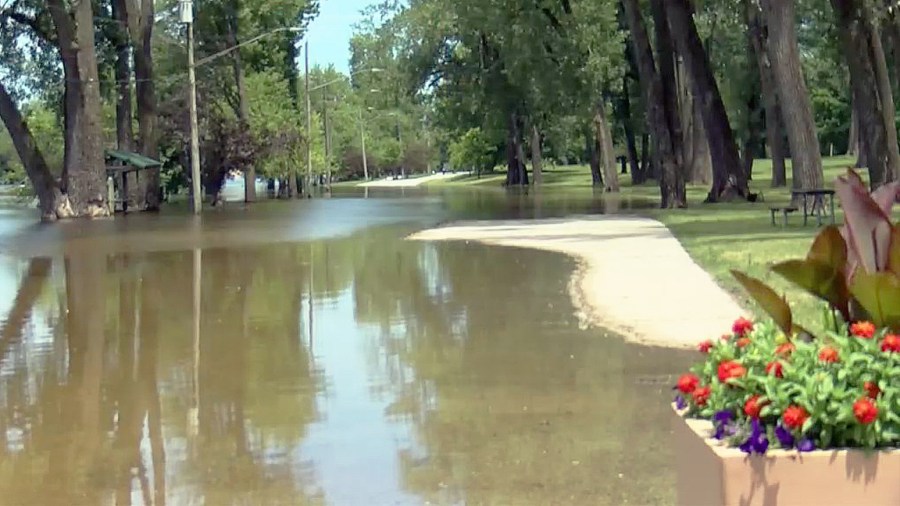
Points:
(362, 140)
(187, 17)
(327, 144)
(309, 172)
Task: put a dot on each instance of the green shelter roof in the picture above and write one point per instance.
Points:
(133, 159)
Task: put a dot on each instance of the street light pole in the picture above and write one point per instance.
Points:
(362, 140)
(187, 17)
(309, 173)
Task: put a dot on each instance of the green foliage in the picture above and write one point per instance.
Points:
(836, 382)
(473, 150)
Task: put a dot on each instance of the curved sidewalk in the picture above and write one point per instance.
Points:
(634, 278)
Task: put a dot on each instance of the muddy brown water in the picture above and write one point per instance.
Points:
(304, 353)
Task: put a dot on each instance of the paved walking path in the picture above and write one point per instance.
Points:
(409, 182)
(634, 278)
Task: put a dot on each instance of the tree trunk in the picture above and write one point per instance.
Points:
(140, 24)
(630, 140)
(515, 155)
(729, 181)
(853, 137)
(85, 169)
(774, 122)
(124, 118)
(695, 147)
(871, 89)
(124, 114)
(594, 160)
(646, 160)
(53, 204)
(537, 165)
(243, 111)
(604, 142)
(783, 53)
(660, 117)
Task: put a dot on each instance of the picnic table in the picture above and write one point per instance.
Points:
(814, 203)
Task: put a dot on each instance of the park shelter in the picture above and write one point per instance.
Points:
(124, 169)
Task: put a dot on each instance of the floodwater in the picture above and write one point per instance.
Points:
(303, 353)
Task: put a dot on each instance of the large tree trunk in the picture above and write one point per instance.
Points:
(646, 159)
(729, 181)
(853, 136)
(52, 202)
(516, 173)
(84, 162)
(660, 120)
(537, 165)
(607, 154)
(593, 149)
(243, 111)
(630, 140)
(695, 147)
(124, 117)
(140, 23)
(124, 114)
(783, 52)
(871, 89)
(774, 121)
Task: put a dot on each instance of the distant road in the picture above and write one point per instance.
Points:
(406, 183)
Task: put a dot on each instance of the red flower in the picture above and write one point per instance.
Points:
(701, 395)
(829, 355)
(871, 389)
(865, 411)
(785, 349)
(687, 383)
(866, 330)
(742, 326)
(752, 407)
(794, 417)
(730, 370)
(891, 343)
(775, 368)
(726, 337)
(742, 342)
(705, 346)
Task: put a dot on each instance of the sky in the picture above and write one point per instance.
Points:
(330, 31)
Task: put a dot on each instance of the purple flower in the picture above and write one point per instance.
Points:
(784, 437)
(680, 402)
(722, 420)
(757, 442)
(806, 445)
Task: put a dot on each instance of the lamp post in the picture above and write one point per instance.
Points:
(186, 11)
(186, 14)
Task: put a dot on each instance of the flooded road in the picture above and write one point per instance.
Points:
(305, 354)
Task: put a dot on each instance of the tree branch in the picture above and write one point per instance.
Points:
(40, 31)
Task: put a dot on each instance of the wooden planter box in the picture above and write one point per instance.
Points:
(709, 473)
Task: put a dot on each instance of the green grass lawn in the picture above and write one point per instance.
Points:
(719, 237)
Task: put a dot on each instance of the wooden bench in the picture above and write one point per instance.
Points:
(784, 211)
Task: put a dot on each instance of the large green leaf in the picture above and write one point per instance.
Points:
(818, 278)
(768, 300)
(879, 295)
(829, 248)
(894, 256)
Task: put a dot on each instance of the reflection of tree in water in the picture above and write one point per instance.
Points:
(99, 414)
(511, 402)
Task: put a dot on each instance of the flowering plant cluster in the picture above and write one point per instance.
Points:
(762, 389)
(774, 384)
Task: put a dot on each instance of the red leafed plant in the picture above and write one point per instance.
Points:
(854, 268)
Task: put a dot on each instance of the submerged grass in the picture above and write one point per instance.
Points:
(720, 237)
